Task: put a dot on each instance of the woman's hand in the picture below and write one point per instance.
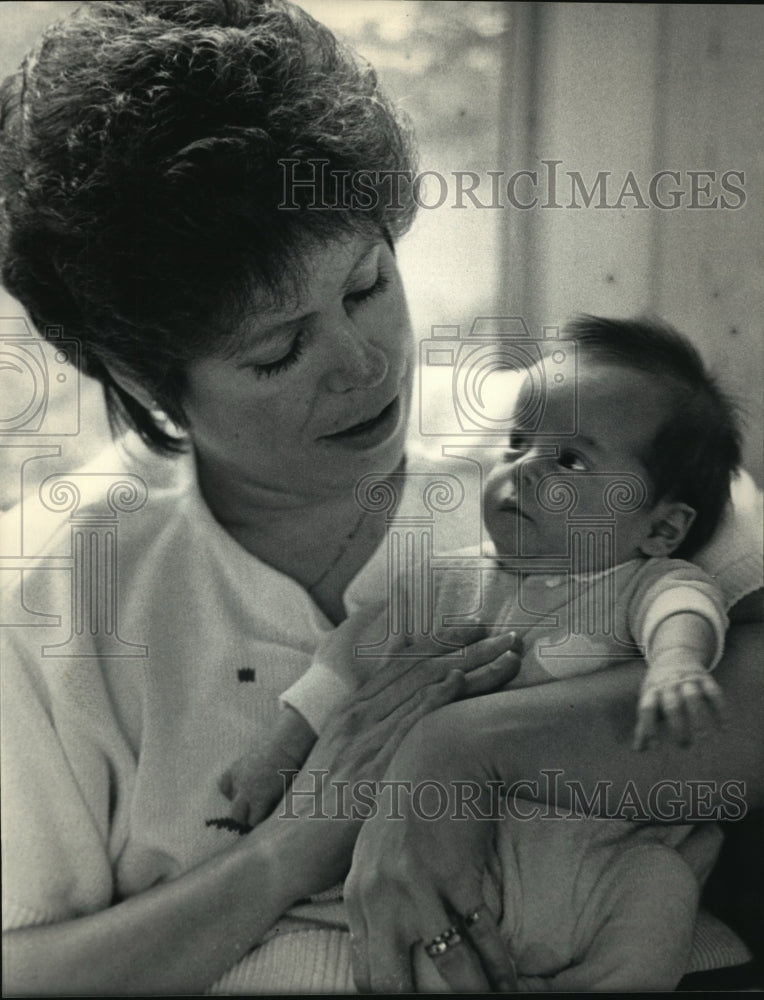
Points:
(418, 872)
(413, 878)
(351, 756)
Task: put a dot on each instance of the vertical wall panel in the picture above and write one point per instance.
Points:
(624, 91)
(596, 64)
(708, 261)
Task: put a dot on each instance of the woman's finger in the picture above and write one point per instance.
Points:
(450, 956)
(377, 702)
(422, 701)
(387, 949)
(397, 683)
(490, 648)
(492, 676)
(458, 635)
(455, 686)
(483, 932)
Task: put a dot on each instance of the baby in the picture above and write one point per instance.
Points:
(636, 481)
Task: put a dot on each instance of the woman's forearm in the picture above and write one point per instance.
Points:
(175, 938)
(582, 728)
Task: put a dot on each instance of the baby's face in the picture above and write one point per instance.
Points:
(618, 415)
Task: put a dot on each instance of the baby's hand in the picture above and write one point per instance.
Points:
(254, 784)
(684, 696)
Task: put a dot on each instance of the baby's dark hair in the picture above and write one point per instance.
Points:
(140, 182)
(698, 446)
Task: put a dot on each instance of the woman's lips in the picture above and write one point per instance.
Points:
(369, 433)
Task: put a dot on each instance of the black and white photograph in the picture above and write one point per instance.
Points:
(381, 512)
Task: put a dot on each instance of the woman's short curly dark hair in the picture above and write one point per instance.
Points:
(139, 168)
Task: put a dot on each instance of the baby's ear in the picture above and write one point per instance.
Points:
(670, 522)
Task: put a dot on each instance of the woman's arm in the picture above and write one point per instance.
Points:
(175, 938)
(412, 878)
(179, 937)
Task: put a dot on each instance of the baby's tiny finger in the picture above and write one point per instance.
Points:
(696, 709)
(645, 730)
(240, 809)
(673, 713)
(714, 696)
(225, 784)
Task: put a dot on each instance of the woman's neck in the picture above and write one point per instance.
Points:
(321, 541)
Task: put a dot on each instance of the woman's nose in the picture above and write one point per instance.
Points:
(357, 362)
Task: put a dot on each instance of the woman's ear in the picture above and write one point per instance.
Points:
(670, 522)
(131, 386)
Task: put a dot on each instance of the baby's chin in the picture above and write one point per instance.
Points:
(502, 548)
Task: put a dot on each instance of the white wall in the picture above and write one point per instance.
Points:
(644, 88)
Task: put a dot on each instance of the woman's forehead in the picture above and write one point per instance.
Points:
(258, 311)
(314, 275)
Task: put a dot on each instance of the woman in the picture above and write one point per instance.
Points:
(142, 211)
(142, 194)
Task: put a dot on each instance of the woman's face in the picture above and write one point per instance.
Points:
(318, 393)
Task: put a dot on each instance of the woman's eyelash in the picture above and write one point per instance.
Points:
(271, 368)
(367, 293)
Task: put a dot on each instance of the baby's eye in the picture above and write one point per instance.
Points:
(518, 442)
(571, 461)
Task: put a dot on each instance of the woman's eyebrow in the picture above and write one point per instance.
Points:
(372, 246)
(266, 333)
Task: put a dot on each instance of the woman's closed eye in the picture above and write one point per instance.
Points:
(364, 294)
(267, 369)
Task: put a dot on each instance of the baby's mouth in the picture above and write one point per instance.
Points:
(513, 507)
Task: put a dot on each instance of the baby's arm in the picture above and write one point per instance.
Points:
(256, 782)
(682, 625)
(678, 686)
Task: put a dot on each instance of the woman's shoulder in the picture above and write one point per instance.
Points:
(114, 490)
(734, 557)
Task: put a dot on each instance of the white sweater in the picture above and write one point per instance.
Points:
(110, 763)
